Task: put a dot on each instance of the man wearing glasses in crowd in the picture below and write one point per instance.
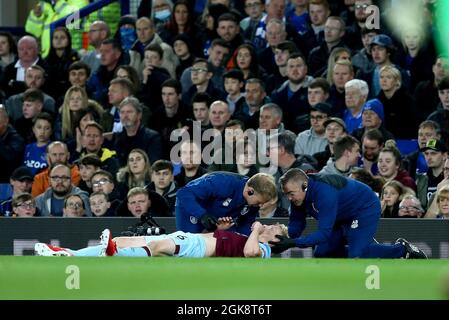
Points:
(51, 202)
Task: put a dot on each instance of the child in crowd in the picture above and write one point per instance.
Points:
(100, 205)
(35, 156)
(88, 165)
(233, 84)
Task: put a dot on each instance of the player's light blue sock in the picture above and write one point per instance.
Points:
(87, 252)
(133, 252)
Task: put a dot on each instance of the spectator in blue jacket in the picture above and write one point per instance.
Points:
(221, 194)
(348, 212)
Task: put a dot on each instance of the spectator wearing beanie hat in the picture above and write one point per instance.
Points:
(373, 117)
(183, 50)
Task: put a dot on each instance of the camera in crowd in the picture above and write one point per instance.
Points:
(146, 227)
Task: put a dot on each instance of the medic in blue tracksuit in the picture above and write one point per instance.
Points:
(348, 212)
(221, 194)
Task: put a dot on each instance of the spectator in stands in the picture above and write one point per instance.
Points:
(73, 207)
(161, 12)
(282, 158)
(255, 11)
(435, 153)
(12, 146)
(8, 49)
(208, 22)
(318, 91)
(374, 182)
(398, 104)
(373, 118)
(59, 59)
(219, 115)
(172, 114)
(415, 161)
(75, 100)
(218, 51)
(275, 34)
(128, 72)
(382, 50)
(442, 112)
(24, 205)
(255, 98)
(392, 194)
(432, 208)
(88, 164)
(201, 73)
(228, 29)
(271, 118)
(333, 129)
(346, 156)
(13, 78)
(34, 156)
(298, 16)
(147, 35)
(342, 73)
(246, 158)
(163, 182)
(100, 205)
(245, 59)
(51, 202)
(79, 72)
(279, 74)
(111, 57)
(233, 84)
(410, 207)
(334, 31)
(426, 93)
(337, 54)
(92, 140)
(153, 75)
(103, 181)
(417, 54)
(201, 102)
(372, 144)
(33, 101)
(292, 95)
(99, 31)
(21, 180)
(390, 165)
(118, 90)
(354, 30)
(183, 49)
(136, 173)
(363, 60)
(319, 12)
(356, 94)
(443, 203)
(141, 201)
(135, 135)
(126, 34)
(34, 79)
(191, 163)
(57, 153)
(313, 140)
(181, 23)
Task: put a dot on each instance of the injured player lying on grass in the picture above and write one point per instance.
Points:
(221, 243)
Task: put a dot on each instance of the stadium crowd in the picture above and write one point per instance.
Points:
(305, 84)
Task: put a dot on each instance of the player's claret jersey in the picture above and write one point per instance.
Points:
(231, 244)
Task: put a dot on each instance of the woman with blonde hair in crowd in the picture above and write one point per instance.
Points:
(75, 100)
(136, 173)
(397, 103)
(390, 165)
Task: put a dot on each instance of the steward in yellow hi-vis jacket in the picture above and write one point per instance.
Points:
(43, 14)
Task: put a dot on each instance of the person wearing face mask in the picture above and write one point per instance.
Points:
(126, 32)
(161, 11)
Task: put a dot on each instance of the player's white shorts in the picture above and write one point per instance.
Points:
(191, 245)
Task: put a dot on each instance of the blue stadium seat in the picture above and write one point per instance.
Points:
(406, 146)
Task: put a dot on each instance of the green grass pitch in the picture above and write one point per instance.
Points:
(219, 278)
